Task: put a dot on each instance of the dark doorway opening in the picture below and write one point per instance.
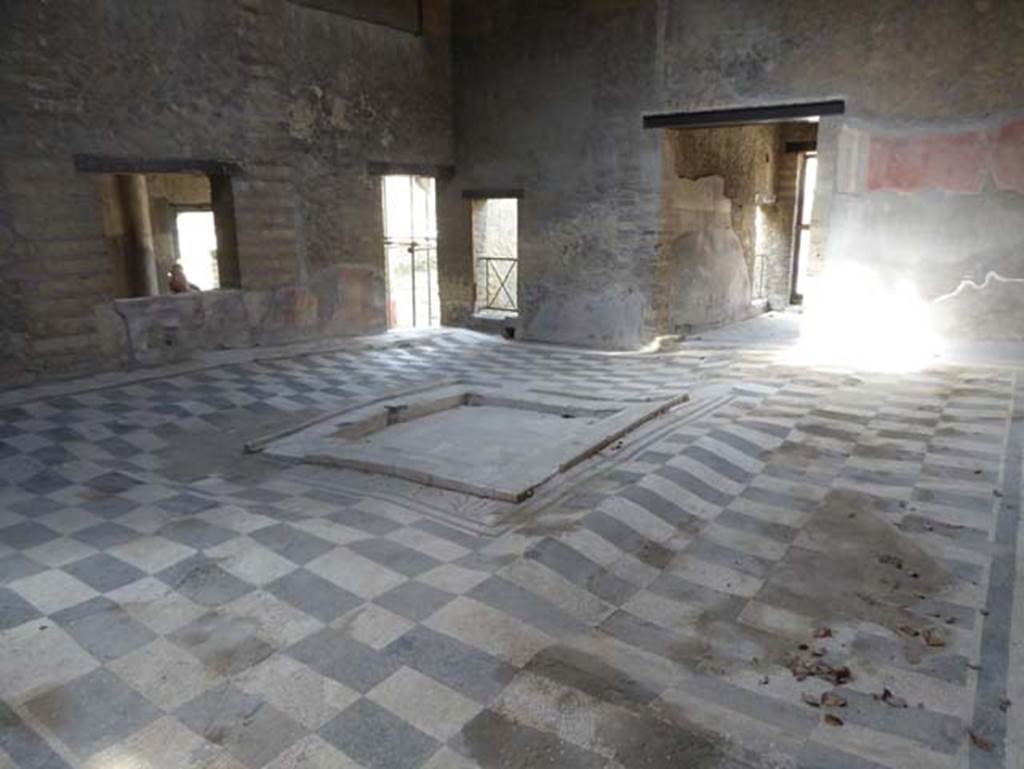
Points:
(737, 232)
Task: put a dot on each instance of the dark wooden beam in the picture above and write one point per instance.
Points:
(776, 113)
(808, 146)
(403, 15)
(113, 164)
(491, 192)
(386, 168)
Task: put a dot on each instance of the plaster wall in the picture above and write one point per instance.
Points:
(943, 214)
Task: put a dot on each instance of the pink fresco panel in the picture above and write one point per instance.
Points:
(1008, 158)
(954, 162)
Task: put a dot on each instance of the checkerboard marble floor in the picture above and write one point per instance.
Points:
(168, 602)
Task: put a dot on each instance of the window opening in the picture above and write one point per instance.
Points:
(496, 254)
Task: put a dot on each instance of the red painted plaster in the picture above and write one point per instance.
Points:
(1008, 158)
(954, 162)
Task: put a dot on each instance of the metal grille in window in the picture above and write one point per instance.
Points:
(500, 280)
(413, 266)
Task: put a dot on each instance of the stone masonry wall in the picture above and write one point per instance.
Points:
(550, 97)
(300, 99)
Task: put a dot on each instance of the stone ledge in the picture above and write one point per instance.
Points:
(495, 442)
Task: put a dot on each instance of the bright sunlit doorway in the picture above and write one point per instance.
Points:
(804, 214)
(410, 252)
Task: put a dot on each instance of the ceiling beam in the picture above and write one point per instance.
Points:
(775, 113)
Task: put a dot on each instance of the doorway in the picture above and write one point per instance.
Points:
(802, 225)
(410, 252)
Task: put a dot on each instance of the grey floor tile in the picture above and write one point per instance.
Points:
(314, 595)
(671, 513)
(257, 494)
(27, 534)
(37, 506)
(14, 610)
(815, 755)
(397, 557)
(467, 541)
(529, 607)
(45, 482)
(642, 634)
(616, 532)
(335, 655)
(719, 464)
(110, 507)
(587, 673)
(494, 742)
(93, 712)
(103, 628)
(26, 748)
(104, 572)
(186, 504)
(105, 535)
(16, 566)
(377, 738)
(376, 525)
(200, 579)
(196, 533)
(112, 483)
(644, 741)
(53, 455)
(414, 600)
(466, 670)
(224, 644)
(580, 570)
(757, 526)
(722, 605)
(136, 422)
(939, 731)
(248, 727)
(694, 485)
(712, 552)
(292, 543)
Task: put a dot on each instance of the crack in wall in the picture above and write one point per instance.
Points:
(990, 277)
(129, 344)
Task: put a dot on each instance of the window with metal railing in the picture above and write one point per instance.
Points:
(496, 254)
